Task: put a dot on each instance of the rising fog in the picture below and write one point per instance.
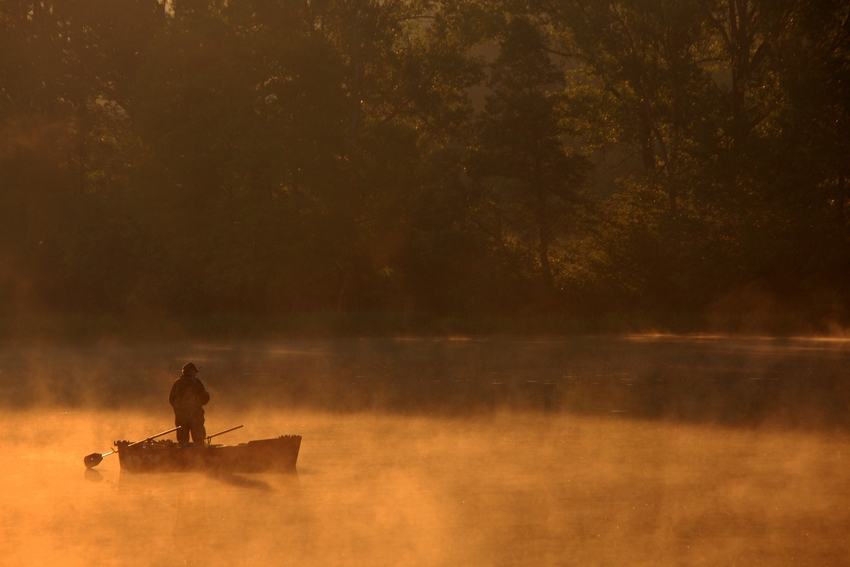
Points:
(734, 381)
(489, 452)
(506, 489)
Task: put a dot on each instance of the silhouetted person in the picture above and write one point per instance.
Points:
(187, 397)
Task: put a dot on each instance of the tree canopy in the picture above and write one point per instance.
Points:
(584, 158)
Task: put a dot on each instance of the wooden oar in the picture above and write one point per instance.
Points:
(95, 458)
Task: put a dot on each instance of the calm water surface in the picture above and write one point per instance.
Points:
(508, 452)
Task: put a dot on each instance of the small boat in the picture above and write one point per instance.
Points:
(151, 455)
(264, 455)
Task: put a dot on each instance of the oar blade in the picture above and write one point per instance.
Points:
(93, 460)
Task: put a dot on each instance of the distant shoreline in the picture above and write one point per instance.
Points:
(86, 327)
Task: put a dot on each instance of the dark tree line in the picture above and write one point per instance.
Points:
(580, 157)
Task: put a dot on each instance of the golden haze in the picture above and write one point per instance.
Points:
(504, 489)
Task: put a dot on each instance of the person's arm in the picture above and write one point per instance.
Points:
(203, 395)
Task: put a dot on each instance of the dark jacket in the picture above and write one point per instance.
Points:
(187, 396)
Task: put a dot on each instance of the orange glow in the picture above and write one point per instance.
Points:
(517, 489)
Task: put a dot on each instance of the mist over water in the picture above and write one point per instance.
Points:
(783, 382)
(490, 452)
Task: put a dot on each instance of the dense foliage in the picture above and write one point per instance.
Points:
(467, 157)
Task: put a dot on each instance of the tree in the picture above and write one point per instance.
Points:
(64, 80)
(531, 178)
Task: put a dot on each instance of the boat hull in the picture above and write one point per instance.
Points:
(265, 455)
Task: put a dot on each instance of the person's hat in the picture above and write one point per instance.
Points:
(189, 366)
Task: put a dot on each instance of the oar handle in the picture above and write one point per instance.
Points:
(222, 432)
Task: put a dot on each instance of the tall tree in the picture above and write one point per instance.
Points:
(533, 178)
(65, 81)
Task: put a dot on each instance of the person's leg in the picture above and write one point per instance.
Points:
(183, 432)
(199, 432)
